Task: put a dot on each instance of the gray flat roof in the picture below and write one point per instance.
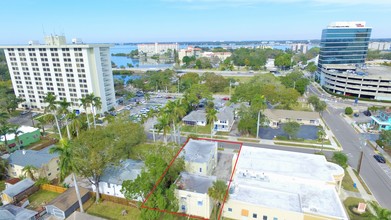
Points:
(195, 183)
(277, 114)
(126, 170)
(18, 187)
(199, 150)
(374, 71)
(12, 212)
(287, 180)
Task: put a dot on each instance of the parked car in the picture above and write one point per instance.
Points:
(379, 158)
(367, 113)
(356, 114)
(225, 98)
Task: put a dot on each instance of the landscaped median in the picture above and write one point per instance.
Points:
(304, 143)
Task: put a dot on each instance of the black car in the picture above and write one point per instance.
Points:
(367, 113)
(379, 158)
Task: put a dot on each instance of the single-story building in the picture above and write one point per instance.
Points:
(12, 212)
(382, 121)
(200, 156)
(197, 117)
(192, 194)
(45, 162)
(225, 119)
(275, 117)
(18, 191)
(65, 204)
(112, 178)
(27, 135)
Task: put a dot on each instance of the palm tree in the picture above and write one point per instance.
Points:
(163, 125)
(64, 110)
(381, 213)
(5, 129)
(76, 123)
(4, 116)
(85, 102)
(97, 105)
(50, 99)
(44, 120)
(29, 171)
(211, 117)
(321, 136)
(15, 130)
(175, 111)
(64, 150)
(217, 192)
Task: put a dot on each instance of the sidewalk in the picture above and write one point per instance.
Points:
(362, 192)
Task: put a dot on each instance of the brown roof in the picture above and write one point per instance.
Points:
(12, 181)
(278, 114)
(68, 198)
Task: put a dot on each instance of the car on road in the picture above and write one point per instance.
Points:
(367, 113)
(379, 158)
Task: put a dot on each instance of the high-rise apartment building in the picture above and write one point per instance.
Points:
(70, 71)
(156, 48)
(344, 43)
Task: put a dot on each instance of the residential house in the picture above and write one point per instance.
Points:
(18, 191)
(65, 204)
(27, 135)
(192, 194)
(112, 178)
(45, 162)
(275, 117)
(225, 119)
(274, 184)
(11, 182)
(12, 212)
(200, 157)
(197, 117)
(220, 55)
(382, 121)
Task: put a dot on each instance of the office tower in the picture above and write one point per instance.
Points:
(70, 71)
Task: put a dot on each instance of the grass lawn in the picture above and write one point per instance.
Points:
(2, 185)
(41, 197)
(347, 183)
(301, 145)
(110, 210)
(241, 79)
(353, 202)
(196, 129)
(222, 133)
(325, 142)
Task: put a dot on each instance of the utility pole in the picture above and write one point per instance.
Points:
(360, 162)
(259, 116)
(363, 141)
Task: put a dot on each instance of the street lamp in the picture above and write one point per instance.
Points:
(259, 116)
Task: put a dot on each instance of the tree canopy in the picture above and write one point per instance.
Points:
(291, 128)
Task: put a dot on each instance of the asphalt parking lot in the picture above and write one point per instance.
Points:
(307, 132)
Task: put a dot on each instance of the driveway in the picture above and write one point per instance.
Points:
(307, 132)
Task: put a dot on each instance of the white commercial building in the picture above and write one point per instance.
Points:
(69, 71)
(299, 48)
(379, 46)
(156, 48)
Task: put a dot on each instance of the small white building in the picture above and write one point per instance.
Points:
(113, 177)
(192, 194)
(200, 157)
(275, 117)
(197, 117)
(225, 119)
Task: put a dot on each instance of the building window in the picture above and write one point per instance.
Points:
(229, 209)
(264, 217)
(255, 215)
(108, 185)
(200, 170)
(199, 203)
(275, 218)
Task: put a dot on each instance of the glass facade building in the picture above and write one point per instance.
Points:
(344, 43)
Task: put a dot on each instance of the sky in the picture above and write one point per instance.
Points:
(120, 21)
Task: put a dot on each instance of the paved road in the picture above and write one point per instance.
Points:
(372, 173)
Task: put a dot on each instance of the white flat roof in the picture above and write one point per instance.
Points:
(284, 180)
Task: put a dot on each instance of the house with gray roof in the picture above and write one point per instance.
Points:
(197, 117)
(275, 117)
(12, 212)
(192, 193)
(45, 162)
(225, 119)
(200, 156)
(111, 181)
(15, 192)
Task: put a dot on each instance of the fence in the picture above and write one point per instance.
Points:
(53, 188)
(115, 199)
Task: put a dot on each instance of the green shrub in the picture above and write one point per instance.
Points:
(348, 110)
(340, 159)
